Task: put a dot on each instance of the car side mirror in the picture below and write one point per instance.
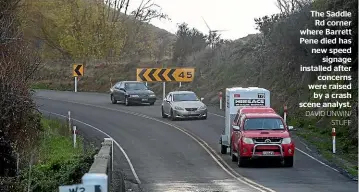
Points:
(202, 98)
(235, 128)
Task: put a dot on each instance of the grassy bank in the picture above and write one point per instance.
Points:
(56, 161)
(346, 156)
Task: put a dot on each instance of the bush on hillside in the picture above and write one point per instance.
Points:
(49, 176)
(19, 122)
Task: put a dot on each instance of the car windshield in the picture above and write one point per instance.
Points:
(263, 124)
(135, 86)
(185, 97)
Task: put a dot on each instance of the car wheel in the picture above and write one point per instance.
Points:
(288, 162)
(163, 113)
(241, 161)
(127, 102)
(204, 117)
(113, 100)
(152, 103)
(173, 118)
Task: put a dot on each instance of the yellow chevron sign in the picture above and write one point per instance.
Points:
(77, 70)
(165, 74)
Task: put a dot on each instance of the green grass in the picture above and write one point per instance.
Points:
(56, 143)
(58, 162)
(39, 86)
(322, 141)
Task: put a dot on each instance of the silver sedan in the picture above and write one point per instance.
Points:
(183, 105)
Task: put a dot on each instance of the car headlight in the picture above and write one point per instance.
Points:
(248, 140)
(178, 108)
(134, 96)
(202, 108)
(152, 95)
(286, 140)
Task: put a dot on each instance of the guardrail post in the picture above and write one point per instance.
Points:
(333, 136)
(69, 119)
(74, 135)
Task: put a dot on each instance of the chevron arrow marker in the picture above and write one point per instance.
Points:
(141, 75)
(150, 75)
(160, 74)
(170, 74)
(77, 70)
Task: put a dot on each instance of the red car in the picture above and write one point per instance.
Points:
(260, 134)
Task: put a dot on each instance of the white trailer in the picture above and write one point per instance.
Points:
(236, 98)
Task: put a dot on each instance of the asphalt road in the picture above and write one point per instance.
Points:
(185, 154)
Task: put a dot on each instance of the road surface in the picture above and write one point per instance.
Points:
(184, 155)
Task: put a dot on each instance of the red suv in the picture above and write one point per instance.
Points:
(260, 135)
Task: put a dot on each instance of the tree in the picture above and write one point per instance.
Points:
(87, 29)
(77, 29)
(19, 122)
(140, 39)
(188, 41)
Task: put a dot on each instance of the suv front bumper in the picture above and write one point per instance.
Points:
(255, 151)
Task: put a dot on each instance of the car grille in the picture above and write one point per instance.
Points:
(263, 139)
(191, 109)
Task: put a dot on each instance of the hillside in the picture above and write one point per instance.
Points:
(270, 59)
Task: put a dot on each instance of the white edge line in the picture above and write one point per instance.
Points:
(118, 145)
(243, 179)
(299, 151)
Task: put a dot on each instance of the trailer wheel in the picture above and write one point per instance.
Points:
(223, 149)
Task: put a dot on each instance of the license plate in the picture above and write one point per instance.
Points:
(144, 99)
(268, 153)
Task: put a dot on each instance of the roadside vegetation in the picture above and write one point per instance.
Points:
(55, 161)
(270, 59)
(36, 154)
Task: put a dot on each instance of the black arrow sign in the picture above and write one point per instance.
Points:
(170, 74)
(78, 67)
(98, 188)
(141, 75)
(160, 74)
(151, 75)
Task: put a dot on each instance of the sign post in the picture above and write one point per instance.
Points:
(165, 75)
(220, 99)
(333, 136)
(75, 84)
(163, 90)
(285, 113)
(77, 71)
